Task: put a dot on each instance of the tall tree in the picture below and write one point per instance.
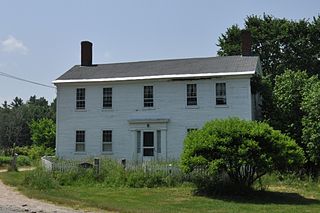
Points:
(280, 43)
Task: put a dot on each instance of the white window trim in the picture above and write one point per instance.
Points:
(153, 99)
(107, 108)
(186, 96)
(112, 139)
(85, 100)
(75, 142)
(215, 95)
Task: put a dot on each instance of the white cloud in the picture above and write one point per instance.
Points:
(13, 45)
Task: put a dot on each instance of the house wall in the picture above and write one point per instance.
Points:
(169, 102)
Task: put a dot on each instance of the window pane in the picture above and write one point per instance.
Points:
(107, 147)
(107, 136)
(107, 97)
(80, 136)
(191, 94)
(80, 98)
(148, 139)
(148, 152)
(80, 147)
(148, 96)
(221, 98)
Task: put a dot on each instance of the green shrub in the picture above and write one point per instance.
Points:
(23, 160)
(40, 179)
(243, 150)
(5, 160)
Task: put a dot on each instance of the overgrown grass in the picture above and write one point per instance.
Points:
(111, 174)
(288, 195)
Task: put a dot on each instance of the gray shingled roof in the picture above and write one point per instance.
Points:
(222, 64)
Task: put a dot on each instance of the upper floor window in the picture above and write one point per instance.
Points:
(221, 97)
(81, 98)
(107, 97)
(107, 141)
(148, 96)
(191, 94)
(80, 140)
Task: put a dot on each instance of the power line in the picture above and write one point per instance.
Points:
(25, 80)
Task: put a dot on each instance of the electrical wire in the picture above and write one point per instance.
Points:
(25, 80)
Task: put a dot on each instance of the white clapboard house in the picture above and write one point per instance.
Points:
(143, 110)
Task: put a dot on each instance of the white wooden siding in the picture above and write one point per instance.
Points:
(127, 97)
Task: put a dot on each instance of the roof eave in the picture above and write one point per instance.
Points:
(175, 76)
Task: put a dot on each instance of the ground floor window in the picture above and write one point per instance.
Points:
(107, 140)
(80, 140)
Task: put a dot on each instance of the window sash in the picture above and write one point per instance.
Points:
(192, 94)
(148, 96)
(107, 140)
(107, 97)
(80, 147)
(221, 97)
(107, 147)
(81, 98)
(80, 141)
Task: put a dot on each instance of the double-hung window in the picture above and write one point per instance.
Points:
(80, 140)
(192, 94)
(107, 141)
(148, 96)
(107, 98)
(81, 98)
(221, 94)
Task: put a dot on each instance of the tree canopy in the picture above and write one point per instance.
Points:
(16, 117)
(280, 43)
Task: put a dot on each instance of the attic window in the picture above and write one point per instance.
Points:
(81, 98)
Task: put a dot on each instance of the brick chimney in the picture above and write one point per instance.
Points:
(246, 43)
(86, 53)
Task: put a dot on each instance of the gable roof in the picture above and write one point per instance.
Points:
(162, 69)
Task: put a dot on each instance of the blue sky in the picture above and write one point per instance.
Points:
(40, 40)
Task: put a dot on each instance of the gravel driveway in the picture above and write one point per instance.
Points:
(13, 201)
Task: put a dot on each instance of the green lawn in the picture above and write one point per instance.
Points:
(298, 197)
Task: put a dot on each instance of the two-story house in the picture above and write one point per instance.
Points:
(143, 110)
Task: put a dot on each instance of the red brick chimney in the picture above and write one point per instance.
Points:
(86, 53)
(246, 43)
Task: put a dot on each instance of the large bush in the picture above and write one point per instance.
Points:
(241, 151)
(311, 126)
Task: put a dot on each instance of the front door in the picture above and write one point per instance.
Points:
(148, 145)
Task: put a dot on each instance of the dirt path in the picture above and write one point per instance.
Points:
(13, 201)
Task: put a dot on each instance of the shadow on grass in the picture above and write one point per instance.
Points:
(267, 197)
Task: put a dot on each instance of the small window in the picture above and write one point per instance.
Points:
(221, 97)
(191, 94)
(80, 140)
(107, 141)
(107, 97)
(81, 98)
(148, 96)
